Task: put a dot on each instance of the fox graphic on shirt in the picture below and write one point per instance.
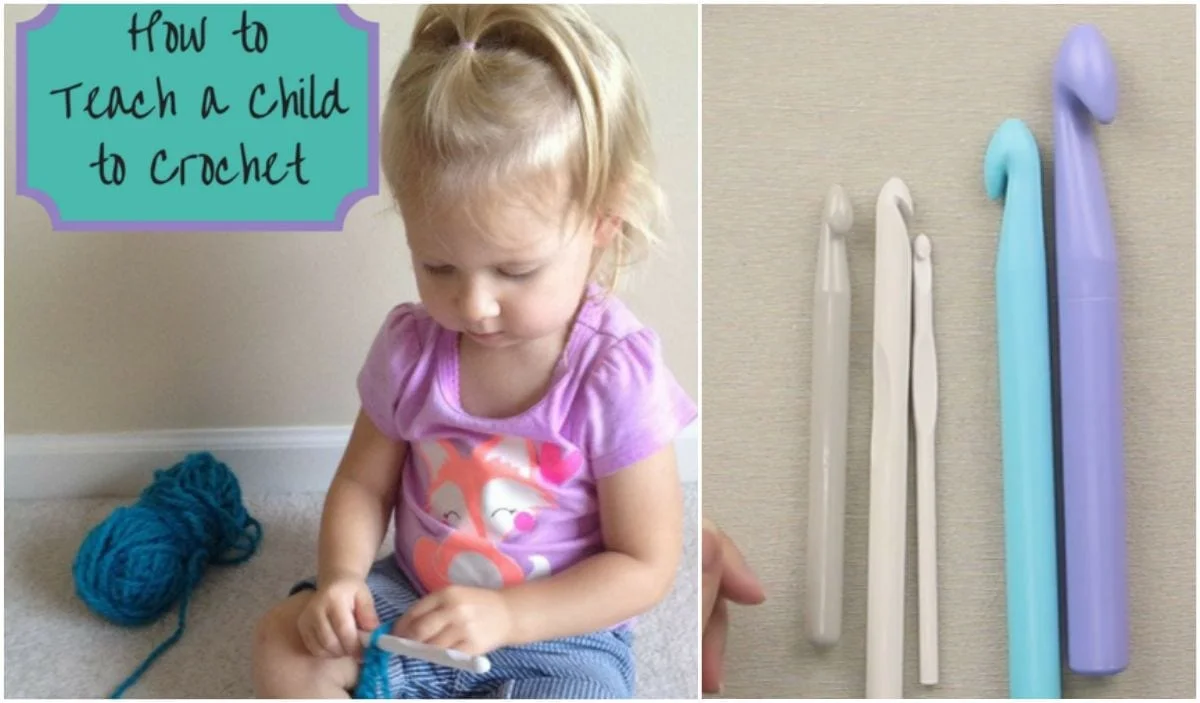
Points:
(486, 494)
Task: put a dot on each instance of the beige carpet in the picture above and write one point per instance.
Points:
(55, 648)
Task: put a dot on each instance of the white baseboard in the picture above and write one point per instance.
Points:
(266, 460)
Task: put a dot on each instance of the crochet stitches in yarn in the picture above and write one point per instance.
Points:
(373, 676)
(133, 567)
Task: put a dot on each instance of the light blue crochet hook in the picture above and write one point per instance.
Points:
(1012, 169)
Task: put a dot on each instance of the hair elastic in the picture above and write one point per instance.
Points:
(467, 45)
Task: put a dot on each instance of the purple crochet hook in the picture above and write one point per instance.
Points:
(1089, 357)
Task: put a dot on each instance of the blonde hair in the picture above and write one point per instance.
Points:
(490, 95)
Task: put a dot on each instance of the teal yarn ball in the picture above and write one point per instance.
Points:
(135, 566)
(144, 558)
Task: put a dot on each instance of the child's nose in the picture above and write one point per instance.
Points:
(478, 304)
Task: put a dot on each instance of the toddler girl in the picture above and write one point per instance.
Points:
(518, 421)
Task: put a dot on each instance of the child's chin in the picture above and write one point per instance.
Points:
(495, 340)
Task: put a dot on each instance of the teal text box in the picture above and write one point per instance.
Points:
(197, 117)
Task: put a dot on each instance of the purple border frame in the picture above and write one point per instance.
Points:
(57, 223)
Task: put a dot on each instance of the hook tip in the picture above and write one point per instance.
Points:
(896, 192)
(1086, 71)
(1012, 147)
(839, 214)
(922, 247)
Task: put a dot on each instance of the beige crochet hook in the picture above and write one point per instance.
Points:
(827, 444)
(889, 443)
(924, 409)
(437, 655)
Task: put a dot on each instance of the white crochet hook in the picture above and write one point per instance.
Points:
(436, 655)
(924, 408)
(827, 444)
(889, 442)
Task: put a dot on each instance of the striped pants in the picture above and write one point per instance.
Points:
(597, 665)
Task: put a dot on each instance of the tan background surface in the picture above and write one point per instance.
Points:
(797, 98)
(139, 331)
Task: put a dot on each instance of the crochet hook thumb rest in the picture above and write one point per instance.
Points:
(437, 655)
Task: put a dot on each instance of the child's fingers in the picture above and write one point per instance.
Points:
(364, 610)
(311, 638)
(449, 638)
(712, 650)
(325, 636)
(419, 609)
(468, 647)
(310, 643)
(738, 582)
(342, 622)
(711, 569)
(427, 627)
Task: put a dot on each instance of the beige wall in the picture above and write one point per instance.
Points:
(137, 331)
(798, 98)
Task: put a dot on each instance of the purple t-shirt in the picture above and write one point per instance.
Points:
(492, 502)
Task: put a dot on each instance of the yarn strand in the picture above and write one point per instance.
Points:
(166, 644)
(144, 558)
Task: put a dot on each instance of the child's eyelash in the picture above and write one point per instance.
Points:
(445, 270)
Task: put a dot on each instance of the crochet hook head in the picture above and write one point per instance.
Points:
(1085, 73)
(895, 192)
(1012, 155)
(833, 273)
(839, 215)
(921, 247)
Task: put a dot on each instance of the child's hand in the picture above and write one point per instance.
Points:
(726, 577)
(330, 622)
(472, 620)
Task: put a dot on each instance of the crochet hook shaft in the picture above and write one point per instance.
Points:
(1012, 170)
(1089, 354)
(437, 655)
(924, 408)
(827, 446)
(889, 443)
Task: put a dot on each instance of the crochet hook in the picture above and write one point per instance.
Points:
(924, 409)
(889, 443)
(436, 655)
(1089, 356)
(827, 447)
(1012, 170)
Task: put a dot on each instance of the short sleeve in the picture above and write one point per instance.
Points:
(385, 378)
(632, 405)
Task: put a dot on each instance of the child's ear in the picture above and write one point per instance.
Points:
(608, 228)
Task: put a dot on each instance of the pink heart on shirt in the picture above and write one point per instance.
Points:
(555, 467)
